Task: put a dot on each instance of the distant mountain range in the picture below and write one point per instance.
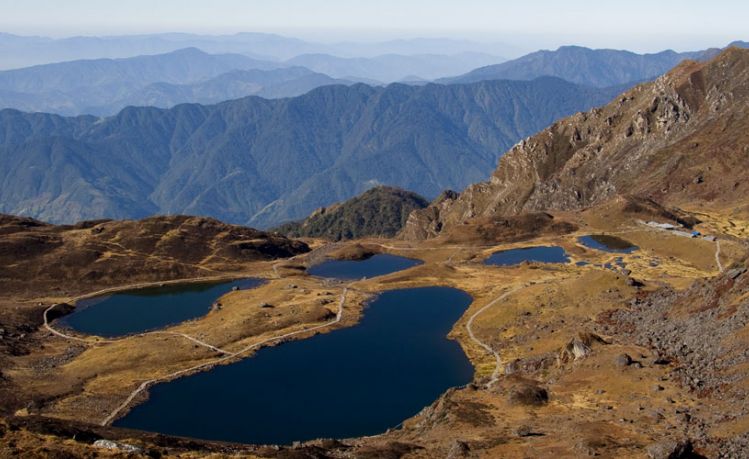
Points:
(270, 84)
(103, 87)
(590, 67)
(679, 141)
(262, 162)
(106, 86)
(390, 68)
(23, 51)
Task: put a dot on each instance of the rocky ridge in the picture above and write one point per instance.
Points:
(680, 138)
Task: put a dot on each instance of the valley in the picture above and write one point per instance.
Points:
(533, 315)
(540, 257)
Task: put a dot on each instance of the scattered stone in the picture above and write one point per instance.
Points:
(109, 444)
(735, 272)
(527, 431)
(658, 388)
(657, 415)
(579, 347)
(459, 449)
(266, 305)
(512, 367)
(331, 443)
(234, 289)
(576, 349)
(635, 283)
(670, 449)
(623, 360)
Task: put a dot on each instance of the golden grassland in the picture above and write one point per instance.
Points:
(593, 402)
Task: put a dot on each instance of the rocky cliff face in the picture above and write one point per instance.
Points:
(682, 137)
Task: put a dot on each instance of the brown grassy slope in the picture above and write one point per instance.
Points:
(99, 254)
(683, 138)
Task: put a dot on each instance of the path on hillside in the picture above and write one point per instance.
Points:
(486, 347)
(57, 333)
(717, 255)
(188, 337)
(146, 384)
(101, 340)
(104, 340)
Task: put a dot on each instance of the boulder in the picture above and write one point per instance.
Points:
(528, 393)
(579, 347)
(735, 272)
(623, 360)
(526, 431)
(459, 449)
(670, 449)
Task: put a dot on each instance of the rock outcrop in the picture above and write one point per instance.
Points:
(681, 137)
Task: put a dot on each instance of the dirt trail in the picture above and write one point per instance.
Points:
(99, 340)
(188, 337)
(57, 333)
(103, 341)
(495, 354)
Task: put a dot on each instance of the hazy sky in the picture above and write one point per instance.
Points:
(633, 24)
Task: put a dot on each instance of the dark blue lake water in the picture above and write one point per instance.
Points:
(543, 254)
(350, 382)
(607, 243)
(146, 309)
(377, 265)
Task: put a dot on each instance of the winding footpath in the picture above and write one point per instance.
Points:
(190, 338)
(228, 357)
(486, 347)
(57, 333)
(102, 340)
(717, 255)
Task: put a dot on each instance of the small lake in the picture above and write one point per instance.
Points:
(350, 382)
(377, 265)
(607, 243)
(136, 311)
(541, 254)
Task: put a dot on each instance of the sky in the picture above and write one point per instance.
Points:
(640, 25)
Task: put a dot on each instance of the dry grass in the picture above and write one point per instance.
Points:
(594, 404)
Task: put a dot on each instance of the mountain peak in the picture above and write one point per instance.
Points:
(379, 211)
(678, 140)
(188, 52)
